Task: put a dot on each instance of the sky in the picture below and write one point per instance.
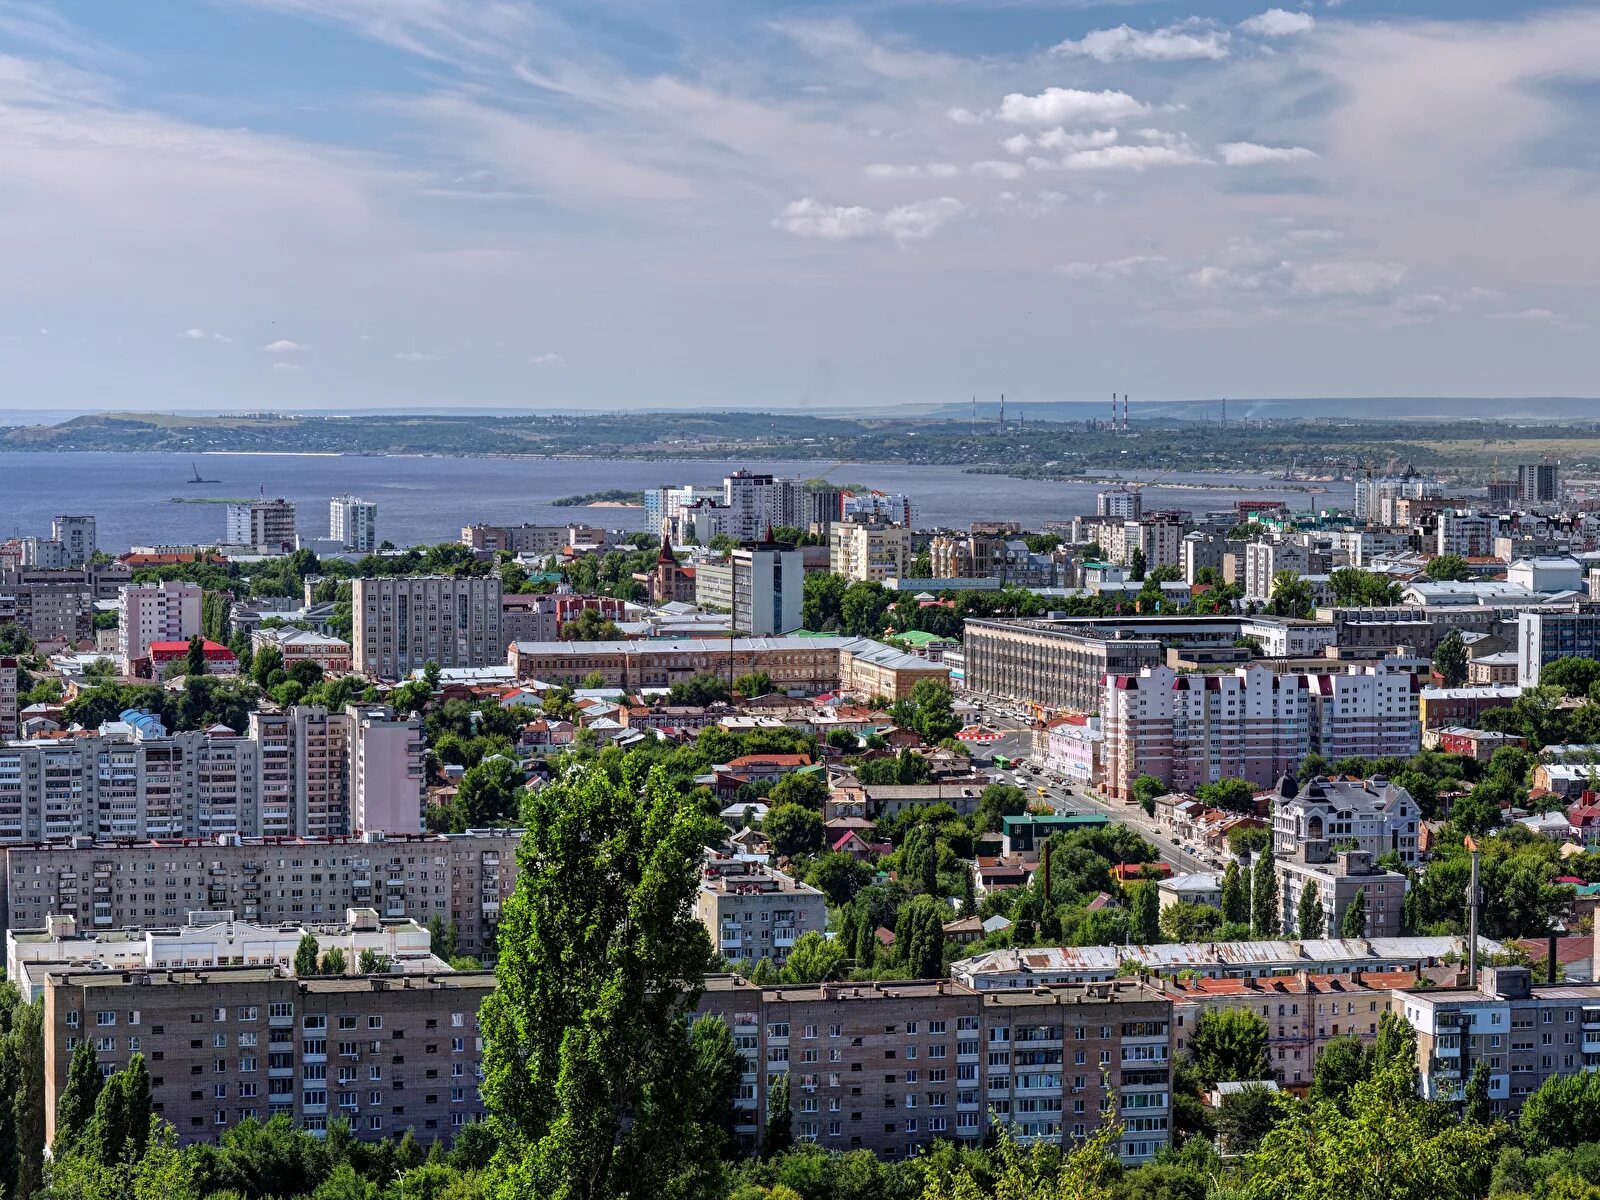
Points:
(339, 204)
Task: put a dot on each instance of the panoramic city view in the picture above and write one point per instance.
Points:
(799, 600)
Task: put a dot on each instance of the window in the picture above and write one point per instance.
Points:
(375, 1021)
(104, 1018)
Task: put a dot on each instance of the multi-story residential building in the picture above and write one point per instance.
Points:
(384, 760)
(753, 911)
(1263, 561)
(461, 878)
(1364, 712)
(1467, 533)
(1543, 637)
(1200, 551)
(661, 504)
(1303, 1011)
(761, 584)
(860, 551)
(8, 697)
(1057, 665)
(228, 1044)
(698, 523)
(1378, 816)
(954, 556)
(1156, 538)
(1074, 748)
(875, 507)
(302, 645)
(795, 663)
(892, 1067)
(1373, 492)
(530, 539)
(399, 625)
(1526, 1032)
(1120, 504)
(168, 611)
(1538, 483)
(1339, 878)
(71, 544)
(54, 607)
(268, 523)
(353, 523)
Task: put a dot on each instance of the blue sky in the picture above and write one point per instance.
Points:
(352, 203)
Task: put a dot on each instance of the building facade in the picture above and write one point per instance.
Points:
(1543, 637)
(1049, 664)
(268, 523)
(869, 552)
(401, 624)
(753, 911)
(353, 523)
(761, 585)
(156, 612)
(1339, 878)
(1377, 816)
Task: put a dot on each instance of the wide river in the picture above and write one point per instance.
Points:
(429, 499)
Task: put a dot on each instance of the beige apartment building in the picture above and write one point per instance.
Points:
(399, 625)
(864, 552)
(227, 1044)
(891, 1067)
(1052, 665)
(463, 878)
(753, 911)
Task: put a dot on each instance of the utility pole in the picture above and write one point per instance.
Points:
(1474, 899)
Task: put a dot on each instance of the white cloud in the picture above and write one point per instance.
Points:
(283, 346)
(284, 366)
(1249, 154)
(1188, 40)
(1277, 23)
(1069, 106)
(1093, 139)
(1000, 169)
(1117, 268)
(809, 218)
(936, 170)
(1536, 316)
(414, 356)
(963, 116)
(194, 335)
(1016, 143)
(547, 360)
(1130, 158)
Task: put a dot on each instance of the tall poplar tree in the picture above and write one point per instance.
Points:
(1308, 917)
(1264, 897)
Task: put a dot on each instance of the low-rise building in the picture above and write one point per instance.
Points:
(1204, 887)
(1374, 815)
(302, 645)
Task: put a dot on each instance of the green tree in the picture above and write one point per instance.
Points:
(588, 1066)
(1235, 894)
(305, 956)
(1245, 1117)
(1264, 921)
(1338, 1069)
(1565, 1111)
(1145, 790)
(267, 663)
(813, 959)
(753, 683)
(807, 789)
(194, 660)
(1395, 1048)
(371, 962)
(1309, 917)
(1184, 922)
(334, 962)
(935, 717)
(75, 1107)
(1450, 658)
(490, 792)
(1229, 794)
(1136, 565)
(1291, 595)
(919, 937)
(919, 860)
(26, 1049)
(1476, 1106)
(778, 1136)
(1311, 766)
(1354, 922)
(120, 1127)
(793, 830)
(1229, 1044)
(1447, 567)
(442, 936)
(1144, 913)
(839, 877)
(716, 1067)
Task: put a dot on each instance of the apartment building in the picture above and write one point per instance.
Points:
(528, 539)
(1263, 560)
(1189, 730)
(1364, 712)
(402, 624)
(954, 556)
(891, 1067)
(1303, 1011)
(1121, 504)
(168, 611)
(1526, 1032)
(8, 697)
(1377, 815)
(54, 607)
(1056, 665)
(1543, 637)
(463, 878)
(753, 911)
(1157, 538)
(661, 505)
(1467, 533)
(227, 1044)
(870, 552)
(268, 523)
(761, 584)
(71, 544)
(1339, 878)
(296, 645)
(353, 523)
(1538, 483)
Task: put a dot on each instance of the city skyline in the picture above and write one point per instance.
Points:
(344, 204)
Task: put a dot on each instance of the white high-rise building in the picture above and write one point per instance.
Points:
(262, 523)
(156, 612)
(1123, 504)
(354, 523)
(77, 538)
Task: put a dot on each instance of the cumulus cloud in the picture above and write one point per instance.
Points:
(1192, 39)
(547, 360)
(200, 335)
(1016, 144)
(283, 346)
(1249, 154)
(935, 170)
(963, 116)
(1130, 158)
(994, 169)
(1093, 139)
(1117, 268)
(1069, 106)
(810, 218)
(1277, 23)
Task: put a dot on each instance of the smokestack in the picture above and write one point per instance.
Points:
(1124, 412)
(1474, 899)
(1550, 960)
(1113, 412)
(1002, 412)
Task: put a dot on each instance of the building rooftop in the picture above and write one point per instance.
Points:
(1176, 956)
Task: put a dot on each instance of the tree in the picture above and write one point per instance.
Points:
(194, 660)
(120, 1127)
(1235, 894)
(839, 877)
(935, 717)
(793, 830)
(1565, 1111)
(1447, 568)
(1291, 595)
(1338, 1069)
(778, 1137)
(490, 792)
(1354, 922)
(1245, 1117)
(1354, 587)
(753, 683)
(1184, 922)
(717, 1067)
(587, 1060)
(334, 962)
(1309, 917)
(25, 1048)
(442, 936)
(1229, 1044)
(808, 790)
(997, 801)
(700, 690)
(1145, 790)
(813, 959)
(305, 956)
(266, 663)
(1144, 913)
(1229, 794)
(919, 860)
(1246, 840)
(919, 937)
(1450, 658)
(1264, 898)
(1136, 565)
(1476, 1106)
(75, 1108)
(371, 962)
(1395, 1048)
(1311, 766)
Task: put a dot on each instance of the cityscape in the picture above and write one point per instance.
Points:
(849, 600)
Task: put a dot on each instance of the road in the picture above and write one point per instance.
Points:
(1016, 743)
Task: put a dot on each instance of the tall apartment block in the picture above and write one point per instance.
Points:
(463, 878)
(228, 1044)
(1543, 637)
(354, 523)
(760, 584)
(892, 1067)
(262, 523)
(71, 544)
(870, 552)
(1538, 483)
(400, 625)
(156, 612)
(1051, 664)
(8, 697)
